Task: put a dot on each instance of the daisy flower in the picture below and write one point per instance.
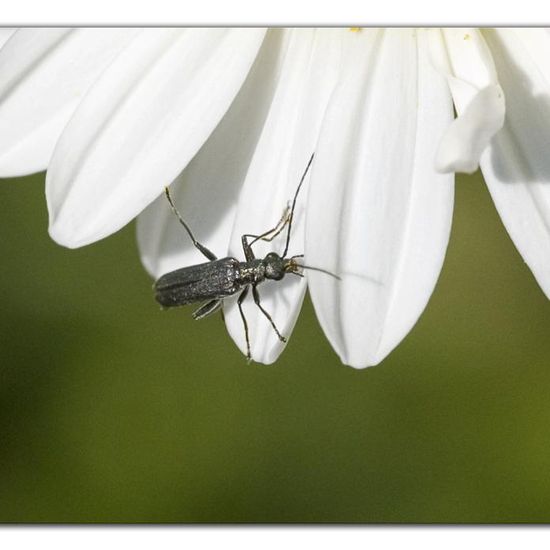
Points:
(230, 117)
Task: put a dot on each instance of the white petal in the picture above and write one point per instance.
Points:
(379, 214)
(140, 125)
(517, 165)
(469, 134)
(464, 58)
(6, 34)
(207, 191)
(289, 138)
(469, 61)
(44, 74)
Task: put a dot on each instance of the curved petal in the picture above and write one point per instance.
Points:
(469, 135)
(288, 139)
(463, 56)
(140, 125)
(378, 213)
(207, 191)
(516, 166)
(44, 73)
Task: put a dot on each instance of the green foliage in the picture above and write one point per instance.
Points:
(113, 411)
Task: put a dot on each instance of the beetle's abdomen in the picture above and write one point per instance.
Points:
(197, 283)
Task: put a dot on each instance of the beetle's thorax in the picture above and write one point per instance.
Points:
(258, 270)
(251, 272)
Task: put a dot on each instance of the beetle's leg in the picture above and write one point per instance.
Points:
(240, 301)
(205, 251)
(256, 296)
(281, 224)
(207, 309)
(267, 236)
(248, 252)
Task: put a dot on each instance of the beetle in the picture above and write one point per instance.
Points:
(218, 278)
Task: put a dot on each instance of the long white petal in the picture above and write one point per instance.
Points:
(207, 191)
(517, 165)
(463, 57)
(140, 125)
(379, 214)
(44, 73)
(289, 138)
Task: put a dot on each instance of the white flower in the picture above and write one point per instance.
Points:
(232, 117)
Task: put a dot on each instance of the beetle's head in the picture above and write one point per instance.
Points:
(276, 267)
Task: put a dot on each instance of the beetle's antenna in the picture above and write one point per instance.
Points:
(311, 267)
(320, 270)
(294, 204)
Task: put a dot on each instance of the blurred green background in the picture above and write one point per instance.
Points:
(113, 411)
